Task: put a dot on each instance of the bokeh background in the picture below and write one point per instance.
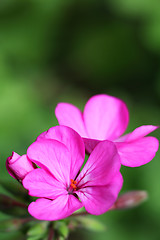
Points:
(58, 50)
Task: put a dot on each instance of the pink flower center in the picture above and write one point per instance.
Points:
(73, 184)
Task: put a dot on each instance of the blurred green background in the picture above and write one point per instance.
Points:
(58, 50)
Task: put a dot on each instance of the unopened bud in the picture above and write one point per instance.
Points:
(130, 200)
(19, 166)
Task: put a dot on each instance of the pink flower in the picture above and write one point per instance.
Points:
(18, 166)
(106, 118)
(60, 185)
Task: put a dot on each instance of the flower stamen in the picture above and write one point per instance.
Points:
(73, 184)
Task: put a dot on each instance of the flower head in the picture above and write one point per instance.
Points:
(106, 118)
(60, 184)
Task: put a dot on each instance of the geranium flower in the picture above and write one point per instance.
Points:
(60, 185)
(106, 118)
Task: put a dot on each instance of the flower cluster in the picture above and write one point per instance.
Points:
(53, 168)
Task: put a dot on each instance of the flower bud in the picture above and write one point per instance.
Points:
(18, 166)
(130, 200)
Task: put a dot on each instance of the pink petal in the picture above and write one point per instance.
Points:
(90, 144)
(51, 210)
(105, 117)
(69, 115)
(42, 135)
(138, 152)
(123, 138)
(140, 132)
(54, 156)
(73, 142)
(102, 165)
(41, 183)
(97, 200)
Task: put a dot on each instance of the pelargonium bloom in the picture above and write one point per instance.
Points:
(19, 166)
(59, 183)
(106, 118)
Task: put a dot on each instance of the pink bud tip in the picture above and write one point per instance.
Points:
(130, 200)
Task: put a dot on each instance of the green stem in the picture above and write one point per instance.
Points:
(51, 233)
(79, 214)
(8, 201)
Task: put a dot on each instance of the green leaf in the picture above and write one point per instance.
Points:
(91, 224)
(35, 238)
(37, 231)
(12, 236)
(61, 228)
